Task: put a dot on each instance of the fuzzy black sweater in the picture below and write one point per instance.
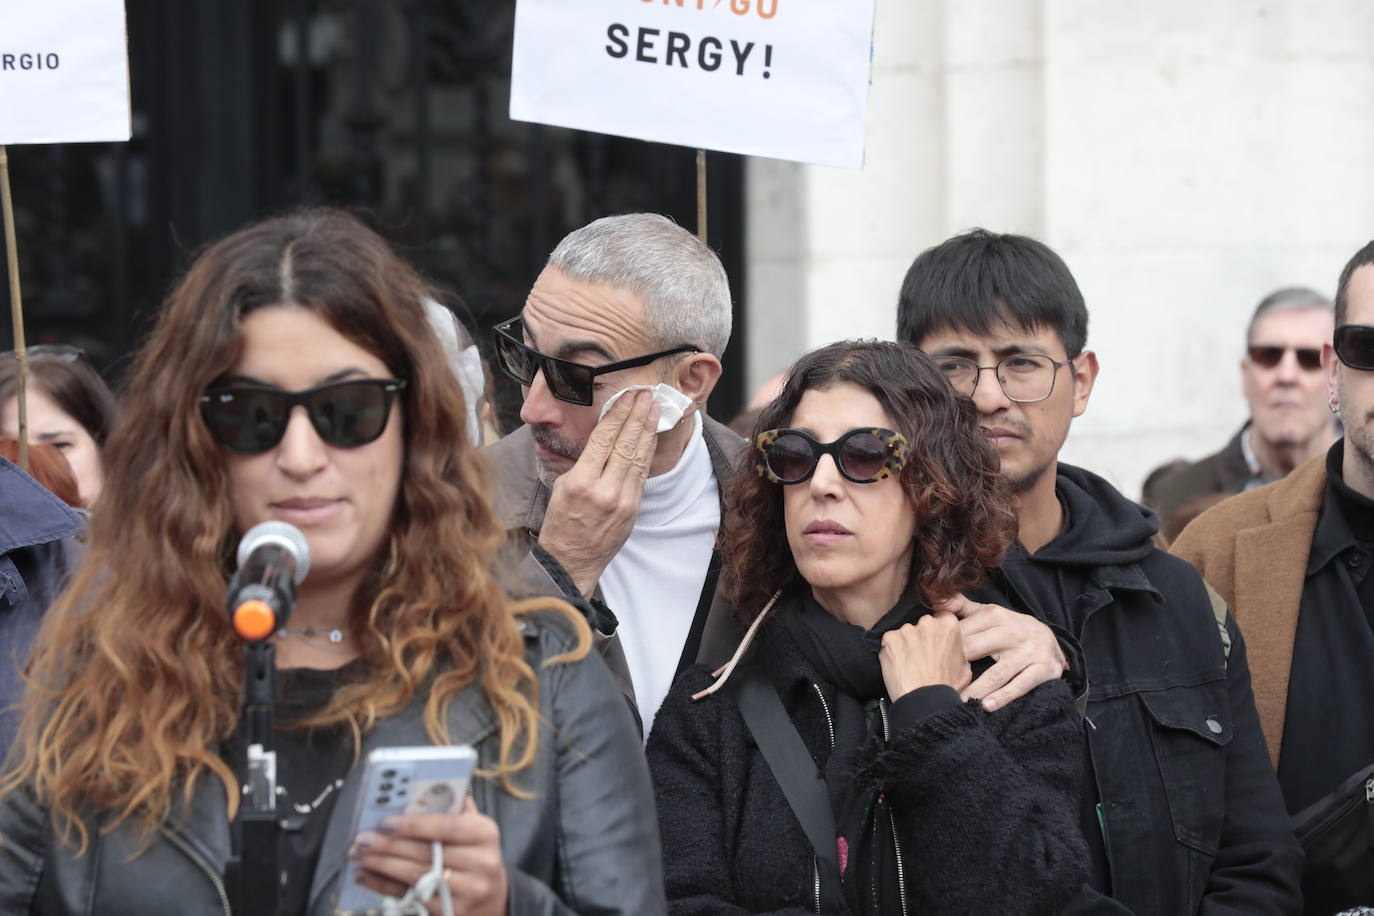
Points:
(985, 804)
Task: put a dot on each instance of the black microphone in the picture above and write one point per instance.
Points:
(273, 559)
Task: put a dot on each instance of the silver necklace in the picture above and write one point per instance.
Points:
(335, 634)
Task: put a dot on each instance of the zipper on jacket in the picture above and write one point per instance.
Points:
(1369, 808)
(197, 858)
(892, 825)
(829, 722)
(901, 871)
(816, 871)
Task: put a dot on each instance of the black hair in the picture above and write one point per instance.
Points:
(1362, 258)
(980, 280)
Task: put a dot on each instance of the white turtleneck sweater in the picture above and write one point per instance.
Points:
(654, 583)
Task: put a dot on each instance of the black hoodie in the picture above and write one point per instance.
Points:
(1101, 528)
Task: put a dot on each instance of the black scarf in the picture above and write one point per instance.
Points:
(846, 656)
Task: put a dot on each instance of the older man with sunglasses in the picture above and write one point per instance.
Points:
(1283, 382)
(1293, 561)
(619, 503)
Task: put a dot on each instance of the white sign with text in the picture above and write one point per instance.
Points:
(786, 79)
(64, 72)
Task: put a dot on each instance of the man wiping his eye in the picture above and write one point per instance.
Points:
(619, 503)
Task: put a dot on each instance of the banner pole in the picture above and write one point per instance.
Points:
(701, 194)
(21, 355)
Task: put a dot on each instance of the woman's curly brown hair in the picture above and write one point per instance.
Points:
(136, 676)
(964, 515)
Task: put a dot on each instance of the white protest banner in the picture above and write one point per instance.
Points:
(781, 78)
(64, 71)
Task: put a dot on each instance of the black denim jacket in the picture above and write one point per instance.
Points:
(1191, 813)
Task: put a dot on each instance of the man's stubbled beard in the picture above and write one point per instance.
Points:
(552, 442)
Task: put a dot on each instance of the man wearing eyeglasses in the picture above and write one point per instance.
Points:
(1284, 384)
(1293, 561)
(1180, 810)
(611, 508)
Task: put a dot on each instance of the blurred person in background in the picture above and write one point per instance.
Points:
(465, 359)
(1284, 385)
(69, 407)
(37, 551)
(48, 466)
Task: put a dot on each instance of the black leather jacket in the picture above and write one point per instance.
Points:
(586, 843)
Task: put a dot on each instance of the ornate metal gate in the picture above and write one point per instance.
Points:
(393, 108)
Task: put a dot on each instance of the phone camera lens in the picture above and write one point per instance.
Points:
(383, 800)
(388, 774)
(385, 787)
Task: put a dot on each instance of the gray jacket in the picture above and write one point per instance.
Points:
(522, 500)
(37, 550)
(586, 843)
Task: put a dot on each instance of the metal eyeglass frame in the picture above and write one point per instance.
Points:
(997, 374)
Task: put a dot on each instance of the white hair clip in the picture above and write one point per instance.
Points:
(464, 359)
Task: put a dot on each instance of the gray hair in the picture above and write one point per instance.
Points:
(1290, 298)
(686, 294)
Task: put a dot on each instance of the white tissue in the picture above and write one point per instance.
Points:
(671, 402)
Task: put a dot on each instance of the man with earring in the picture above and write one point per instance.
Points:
(1293, 562)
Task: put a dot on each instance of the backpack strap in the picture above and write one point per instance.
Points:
(1219, 612)
(791, 764)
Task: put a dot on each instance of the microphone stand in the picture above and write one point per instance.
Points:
(273, 559)
(253, 876)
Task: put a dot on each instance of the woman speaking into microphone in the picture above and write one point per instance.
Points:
(293, 376)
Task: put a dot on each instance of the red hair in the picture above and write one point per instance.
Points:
(48, 466)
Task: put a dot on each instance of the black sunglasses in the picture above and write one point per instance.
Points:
(567, 380)
(862, 455)
(251, 418)
(1309, 358)
(1354, 344)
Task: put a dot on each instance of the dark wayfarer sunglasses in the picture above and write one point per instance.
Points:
(864, 455)
(1309, 358)
(567, 380)
(251, 418)
(1354, 345)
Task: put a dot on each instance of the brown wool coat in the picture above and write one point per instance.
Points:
(1253, 550)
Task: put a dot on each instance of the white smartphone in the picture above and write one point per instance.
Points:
(403, 780)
